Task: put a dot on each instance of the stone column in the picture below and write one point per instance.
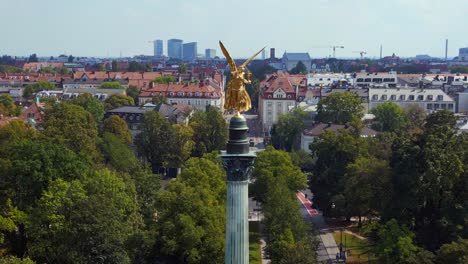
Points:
(238, 161)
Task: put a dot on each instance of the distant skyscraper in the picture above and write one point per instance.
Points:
(174, 48)
(210, 53)
(190, 51)
(158, 48)
(463, 54)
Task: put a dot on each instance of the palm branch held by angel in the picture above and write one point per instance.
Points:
(237, 97)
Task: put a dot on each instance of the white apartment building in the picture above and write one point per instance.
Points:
(387, 79)
(428, 99)
(327, 79)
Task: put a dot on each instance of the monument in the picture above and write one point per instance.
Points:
(238, 162)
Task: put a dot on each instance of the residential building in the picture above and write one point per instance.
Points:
(134, 115)
(90, 83)
(462, 102)
(34, 114)
(101, 94)
(383, 79)
(198, 95)
(210, 53)
(463, 54)
(428, 99)
(310, 134)
(290, 60)
(174, 48)
(278, 93)
(189, 52)
(36, 66)
(328, 79)
(158, 48)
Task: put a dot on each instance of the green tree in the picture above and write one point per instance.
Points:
(133, 92)
(71, 59)
(339, 108)
(333, 152)
(72, 126)
(90, 104)
(15, 260)
(118, 127)
(118, 100)
(165, 79)
(300, 68)
(117, 153)
(416, 117)
(160, 99)
(389, 116)
(396, 245)
(155, 131)
(182, 145)
(367, 181)
(47, 69)
(64, 71)
(458, 69)
(193, 232)
(7, 106)
(287, 131)
(302, 159)
(428, 173)
(455, 252)
(30, 89)
(182, 68)
(210, 131)
(111, 85)
(85, 221)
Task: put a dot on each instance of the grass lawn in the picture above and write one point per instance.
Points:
(255, 253)
(356, 247)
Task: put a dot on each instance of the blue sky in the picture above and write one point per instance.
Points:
(108, 27)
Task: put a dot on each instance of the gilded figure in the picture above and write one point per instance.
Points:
(237, 97)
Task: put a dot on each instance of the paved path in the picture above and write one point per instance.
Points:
(327, 247)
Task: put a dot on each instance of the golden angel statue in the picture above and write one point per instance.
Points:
(237, 97)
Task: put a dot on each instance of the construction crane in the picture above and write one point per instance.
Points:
(360, 52)
(332, 47)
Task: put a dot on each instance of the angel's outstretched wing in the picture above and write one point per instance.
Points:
(251, 58)
(231, 62)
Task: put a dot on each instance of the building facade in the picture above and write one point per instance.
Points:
(158, 48)
(199, 96)
(463, 54)
(210, 53)
(290, 60)
(429, 99)
(190, 50)
(174, 48)
(277, 96)
(384, 79)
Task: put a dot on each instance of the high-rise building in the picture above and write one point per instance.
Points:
(463, 54)
(263, 54)
(174, 48)
(189, 52)
(210, 53)
(158, 48)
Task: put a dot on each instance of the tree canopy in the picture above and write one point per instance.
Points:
(389, 116)
(339, 108)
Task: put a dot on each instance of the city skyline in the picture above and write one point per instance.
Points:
(111, 28)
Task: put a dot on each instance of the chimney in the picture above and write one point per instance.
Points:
(272, 53)
(446, 49)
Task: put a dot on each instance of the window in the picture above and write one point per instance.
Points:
(289, 96)
(393, 97)
(450, 107)
(383, 97)
(130, 118)
(368, 80)
(375, 97)
(207, 102)
(440, 97)
(377, 80)
(189, 94)
(171, 94)
(360, 80)
(429, 106)
(411, 98)
(436, 106)
(180, 93)
(420, 97)
(207, 94)
(443, 106)
(402, 97)
(198, 94)
(429, 98)
(269, 104)
(138, 117)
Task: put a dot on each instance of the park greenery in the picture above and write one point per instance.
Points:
(111, 85)
(409, 183)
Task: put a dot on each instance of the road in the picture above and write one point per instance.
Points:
(327, 248)
(255, 130)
